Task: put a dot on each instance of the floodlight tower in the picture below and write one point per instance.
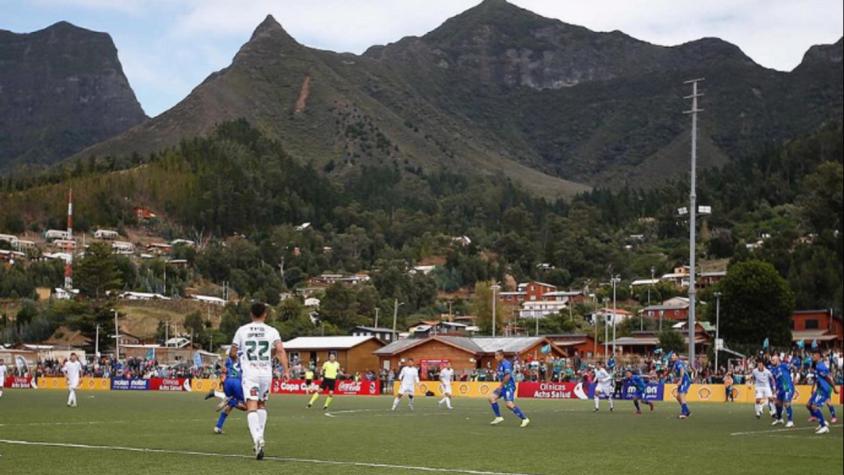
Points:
(693, 216)
(68, 266)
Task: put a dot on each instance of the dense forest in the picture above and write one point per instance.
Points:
(244, 196)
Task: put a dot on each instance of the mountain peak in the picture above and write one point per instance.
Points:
(824, 54)
(270, 28)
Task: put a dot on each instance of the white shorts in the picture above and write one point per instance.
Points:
(408, 389)
(445, 388)
(764, 393)
(256, 389)
(605, 389)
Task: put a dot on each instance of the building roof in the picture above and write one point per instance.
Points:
(507, 344)
(819, 335)
(474, 345)
(326, 342)
(374, 329)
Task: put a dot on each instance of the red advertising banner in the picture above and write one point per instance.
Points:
(548, 390)
(169, 384)
(18, 382)
(346, 388)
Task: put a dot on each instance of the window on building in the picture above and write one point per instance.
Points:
(811, 324)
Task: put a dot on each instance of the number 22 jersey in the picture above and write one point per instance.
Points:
(255, 342)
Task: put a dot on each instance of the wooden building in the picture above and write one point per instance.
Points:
(355, 353)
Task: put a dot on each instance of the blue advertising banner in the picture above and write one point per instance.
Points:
(119, 384)
(653, 391)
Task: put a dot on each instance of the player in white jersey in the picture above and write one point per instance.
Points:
(764, 383)
(603, 386)
(2, 376)
(446, 377)
(72, 370)
(408, 379)
(254, 345)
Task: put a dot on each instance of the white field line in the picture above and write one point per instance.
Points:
(242, 456)
(774, 431)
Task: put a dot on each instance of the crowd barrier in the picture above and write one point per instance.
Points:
(742, 393)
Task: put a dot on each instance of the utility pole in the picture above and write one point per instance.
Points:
(377, 311)
(396, 306)
(97, 343)
(595, 322)
(494, 288)
(717, 325)
(615, 280)
(693, 217)
(606, 329)
(116, 338)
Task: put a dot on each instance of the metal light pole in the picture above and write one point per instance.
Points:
(377, 311)
(717, 325)
(606, 330)
(97, 342)
(494, 288)
(595, 322)
(396, 306)
(116, 337)
(693, 217)
(615, 280)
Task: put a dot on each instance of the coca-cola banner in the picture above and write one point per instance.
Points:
(19, 382)
(169, 384)
(348, 388)
(549, 390)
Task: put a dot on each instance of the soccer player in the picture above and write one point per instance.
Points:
(72, 370)
(603, 386)
(824, 386)
(254, 345)
(329, 380)
(233, 393)
(310, 387)
(785, 390)
(506, 391)
(764, 382)
(684, 382)
(639, 384)
(409, 378)
(2, 376)
(446, 377)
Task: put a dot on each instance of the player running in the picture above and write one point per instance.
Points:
(72, 370)
(310, 387)
(254, 345)
(2, 376)
(506, 391)
(639, 385)
(824, 386)
(409, 378)
(684, 382)
(603, 386)
(329, 380)
(232, 393)
(785, 390)
(446, 377)
(764, 382)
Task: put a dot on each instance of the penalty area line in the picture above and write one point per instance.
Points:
(774, 431)
(118, 448)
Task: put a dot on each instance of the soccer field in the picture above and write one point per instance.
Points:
(117, 432)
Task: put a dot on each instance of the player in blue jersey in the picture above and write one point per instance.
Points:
(684, 382)
(824, 387)
(506, 391)
(785, 390)
(639, 385)
(232, 393)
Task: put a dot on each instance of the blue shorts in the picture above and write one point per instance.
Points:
(683, 387)
(234, 391)
(785, 396)
(819, 398)
(508, 394)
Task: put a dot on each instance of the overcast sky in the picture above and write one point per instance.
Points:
(169, 46)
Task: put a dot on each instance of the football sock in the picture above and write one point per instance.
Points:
(779, 412)
(222, 419)
(819, 415)
(262, 420)
(448, 402)
(831, 410)
(611, 402)
(757, 408)
(396, 403)
(789, 413)
(636, 403)
(771, 408)
(254, 423)
(518, 412)
(496, 409)
(313, 399)
(327, 402)
(684, 408)
(596, 402)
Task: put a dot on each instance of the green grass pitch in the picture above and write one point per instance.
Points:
(127, 433)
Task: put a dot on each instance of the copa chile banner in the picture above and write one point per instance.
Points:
(343, 387)
(18, 382)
